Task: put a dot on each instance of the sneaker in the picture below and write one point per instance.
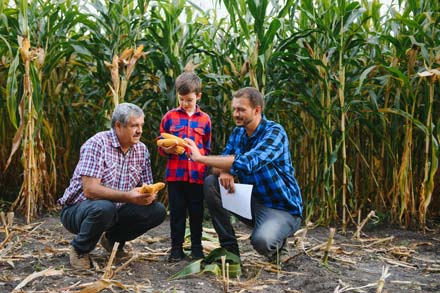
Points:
(176, 255)
(197, 253)
(108, 245)
(78, 260)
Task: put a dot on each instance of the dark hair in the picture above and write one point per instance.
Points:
(254, 96)
(188, 82)
(124, 111)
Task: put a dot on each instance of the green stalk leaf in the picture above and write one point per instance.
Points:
(11, 90)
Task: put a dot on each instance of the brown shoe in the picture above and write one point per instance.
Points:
(79, 260)
(107, 245)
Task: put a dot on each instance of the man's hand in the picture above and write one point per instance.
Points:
(93, 189)
(134, 196)
(221, 162)
(227, 181)
(194, 152)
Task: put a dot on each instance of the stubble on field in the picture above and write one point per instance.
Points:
(34, 258)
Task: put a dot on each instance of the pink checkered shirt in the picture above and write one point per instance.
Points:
(101, 157)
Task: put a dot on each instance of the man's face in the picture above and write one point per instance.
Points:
(129, 134)
(243, 112)
(188, 102)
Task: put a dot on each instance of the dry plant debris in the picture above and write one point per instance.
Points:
(33, 258)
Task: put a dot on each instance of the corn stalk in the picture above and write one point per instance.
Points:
(125, 64)
(34, 189)
(431, 151)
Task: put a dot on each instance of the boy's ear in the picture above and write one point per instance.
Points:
(198, 96)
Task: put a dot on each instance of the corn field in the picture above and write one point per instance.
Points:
(356, 84)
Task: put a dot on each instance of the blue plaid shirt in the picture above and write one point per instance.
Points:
(263, 160)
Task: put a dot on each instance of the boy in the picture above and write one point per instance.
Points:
(184, 177)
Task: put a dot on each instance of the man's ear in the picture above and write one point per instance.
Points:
(258, 109)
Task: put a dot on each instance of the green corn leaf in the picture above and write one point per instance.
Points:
(267, 41)
(212, 263)
(216, 255)
(191, 269)
(11, 90)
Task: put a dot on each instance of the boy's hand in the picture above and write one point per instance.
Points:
(171, 144)
(172, 150)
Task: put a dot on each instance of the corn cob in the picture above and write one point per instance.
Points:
(151, 188)
(170, 140)
(180, 141)
(167, 142)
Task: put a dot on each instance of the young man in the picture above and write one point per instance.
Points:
(103, 197)
(257, 153)
(184, 177)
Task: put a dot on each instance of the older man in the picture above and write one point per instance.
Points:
(257, 153)
(102, 200)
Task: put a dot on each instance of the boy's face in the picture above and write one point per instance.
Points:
(188, 102)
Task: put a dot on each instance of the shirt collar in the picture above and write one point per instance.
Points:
(115, 141)
(180, 109)
(260, 128)
(114, 138)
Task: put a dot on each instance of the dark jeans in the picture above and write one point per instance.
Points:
(270, 226)
(90, 218)
(185, 197)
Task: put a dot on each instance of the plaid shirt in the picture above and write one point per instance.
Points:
(263, 160)
(101, 157)
(198, 128)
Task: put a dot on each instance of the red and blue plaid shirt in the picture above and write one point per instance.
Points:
(101, 157)
(198, 128)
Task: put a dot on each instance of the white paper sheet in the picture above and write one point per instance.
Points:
(238, 202)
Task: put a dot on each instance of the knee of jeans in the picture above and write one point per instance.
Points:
(161, 212)
(261, 244)
(104, 210)
(156, 214)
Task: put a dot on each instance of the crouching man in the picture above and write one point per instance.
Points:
(103, 202)
(257, 153)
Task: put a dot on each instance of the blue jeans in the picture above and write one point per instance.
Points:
(270, 226)
(185, 197)
(90, 218)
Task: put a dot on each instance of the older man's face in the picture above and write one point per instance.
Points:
(129, 134)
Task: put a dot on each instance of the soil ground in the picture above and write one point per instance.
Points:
(35, 259)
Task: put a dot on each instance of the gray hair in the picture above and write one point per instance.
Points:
(124, 111)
